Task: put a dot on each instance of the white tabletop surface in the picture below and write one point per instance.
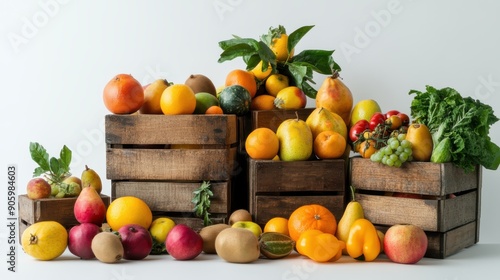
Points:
(479, 260)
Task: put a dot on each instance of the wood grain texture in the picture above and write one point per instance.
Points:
(273, 118)
(173, 196)
(179, 129)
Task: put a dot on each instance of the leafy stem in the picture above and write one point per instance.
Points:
(54, 169)
(201, 200)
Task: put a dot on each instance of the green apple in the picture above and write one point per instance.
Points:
(251, 226)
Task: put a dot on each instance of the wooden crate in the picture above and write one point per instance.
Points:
(446, 205)
(273, 118)
(276, 188)
(141, 161)
(48, 209)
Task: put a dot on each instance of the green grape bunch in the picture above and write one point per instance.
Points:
(395, 153)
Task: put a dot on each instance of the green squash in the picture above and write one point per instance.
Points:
(235, 99)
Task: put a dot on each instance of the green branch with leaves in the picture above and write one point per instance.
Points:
(201, 201)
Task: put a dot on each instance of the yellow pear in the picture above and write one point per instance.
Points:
(91, 178)
(295, 139)
(352, 212)
(322, 119)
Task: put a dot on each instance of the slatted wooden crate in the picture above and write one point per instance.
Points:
(276, 188)
(442, 199)
(163, 159)
(48, 209)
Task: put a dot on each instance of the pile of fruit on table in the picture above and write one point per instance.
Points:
(445, 128)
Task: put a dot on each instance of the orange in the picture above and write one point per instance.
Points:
(367, 148)
(262, 102)
(128, 210)
(123, 94)
(262, 143)
(275, 83)
(214, 110)
(311, 216)
(277, 224)
(243, 78)
(178, 99)
(280, 48)
(329, 145)
(257, 71)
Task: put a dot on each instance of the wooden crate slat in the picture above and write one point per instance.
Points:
(179, 129)
(442, 245)
(267, 207)
(273, 118)
(310, 175)
(173, 196)
(170, 164)
(413, 177)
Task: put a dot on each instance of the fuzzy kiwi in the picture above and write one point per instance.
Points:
(201, 83)
(107, 247)
(209, 233)
(237, 245)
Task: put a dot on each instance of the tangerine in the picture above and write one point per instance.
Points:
(277, 224)
(262, 143)
(262, 102)
(128, 210)
(329, 145)
(214, 110)
(311, 216)
(123, 94)
(178, 99)
(243, 78)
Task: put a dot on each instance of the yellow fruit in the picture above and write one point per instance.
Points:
(160, 227)
(152, 96)
(335, 96)
(421, 142)
(262, 102)
(290, 97)
(275, 83)
(178, 99)
(277, 224)
(257, 71)
(295, 140)
(128, 210)
(280, 48)
(45, 240)
(364, 110)
(321, 119)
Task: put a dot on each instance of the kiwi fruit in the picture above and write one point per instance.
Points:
(237, 245)
(107, 247)
(200, 83)
(239, 215)
(209, 233)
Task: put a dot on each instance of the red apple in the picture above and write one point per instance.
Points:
(183, 243)
(38, 188)
(136, 241)
(80, 240)
(405, 243)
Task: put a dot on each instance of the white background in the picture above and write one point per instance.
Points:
(56, 57)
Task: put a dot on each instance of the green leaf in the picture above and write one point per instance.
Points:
(40, 156)
(309, 90)
(236, 51)
(65, 158)
(295, 36)
(252, 60)
(320, 61)
(273, 33)
(238, 41)
(38, 171)
(55, 166)
(298, 72)
(267, 55)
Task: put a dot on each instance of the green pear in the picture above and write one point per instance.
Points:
(91, 178)
(295, 139)
(352, 212)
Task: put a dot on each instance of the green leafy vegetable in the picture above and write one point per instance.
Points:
(463, 122)
(201, 200)
(299, 68)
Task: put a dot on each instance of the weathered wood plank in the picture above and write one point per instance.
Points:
(273, 118)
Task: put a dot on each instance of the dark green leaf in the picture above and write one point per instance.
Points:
(319, 60)
(298, 72)
(65, 156)
(267, 55)
(236, 51)
(55, 166)
(309, 90)
(296, 35)
(252, 60)
(40, 156)
(238, 41)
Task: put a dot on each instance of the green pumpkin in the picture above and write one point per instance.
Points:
(235, 99)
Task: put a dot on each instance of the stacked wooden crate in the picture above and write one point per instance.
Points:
(442, 199)
(163, 159)
(276, 188)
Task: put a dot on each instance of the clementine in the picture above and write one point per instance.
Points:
(262, 102)
(214, 110)
(329, 145)
(178, 99)
(123, 94)
(311, 216)
(262, 143)
(277, 224)
(128, 210)
(243, 78)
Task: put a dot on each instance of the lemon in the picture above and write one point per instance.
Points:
(363, 110)
(45, 240)
(257, 71)
(160, 227)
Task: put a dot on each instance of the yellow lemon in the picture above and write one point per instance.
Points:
(160, 227)
(363, 110)
(275, 83)
(257, 71)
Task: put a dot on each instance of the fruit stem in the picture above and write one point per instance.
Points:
(33, 239)
(353, 191)
(335, 74)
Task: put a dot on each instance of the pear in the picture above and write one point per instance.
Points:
(295, 139)
(89, 207)
(91, 178)
(352, 212)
